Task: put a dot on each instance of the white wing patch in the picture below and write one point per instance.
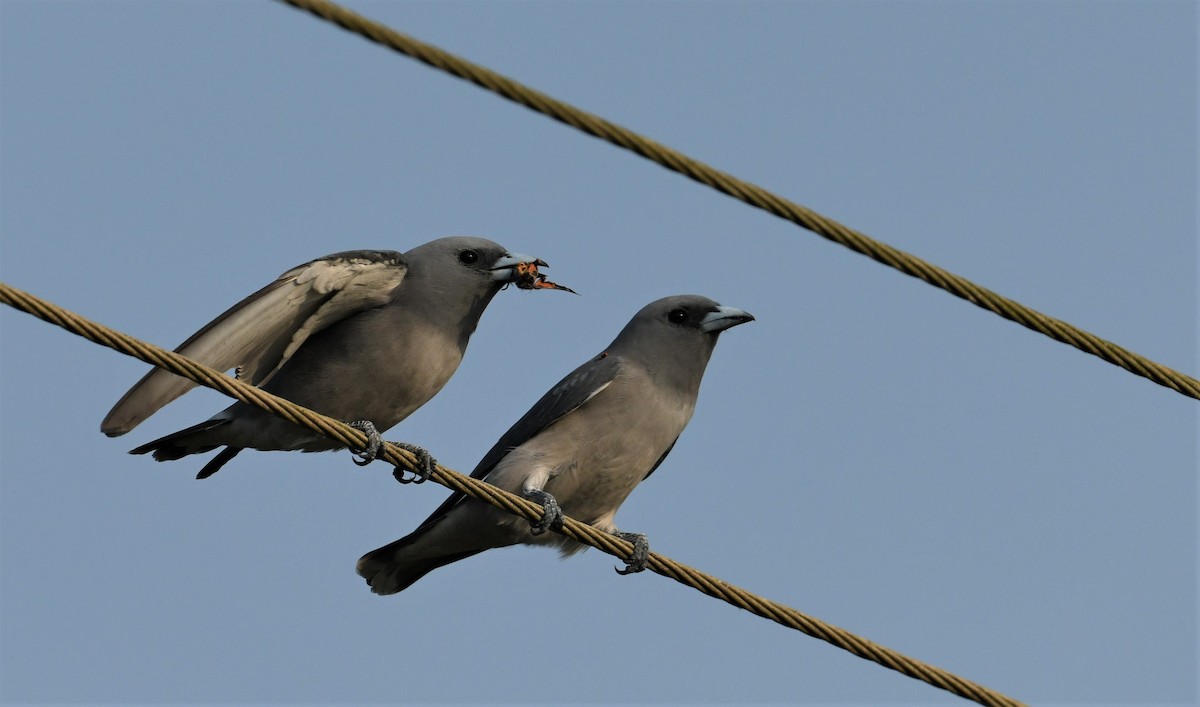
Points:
(594, 394)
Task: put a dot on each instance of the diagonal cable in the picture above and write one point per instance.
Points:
(725, 183)
(484, 491)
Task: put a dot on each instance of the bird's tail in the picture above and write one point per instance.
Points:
(187, 441)
(395, 566)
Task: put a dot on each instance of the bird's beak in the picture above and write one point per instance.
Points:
(723, 318)
(505, 268)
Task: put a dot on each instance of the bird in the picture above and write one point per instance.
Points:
(364, 336)
(580, 450)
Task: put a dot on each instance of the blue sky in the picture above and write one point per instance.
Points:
(871, 451)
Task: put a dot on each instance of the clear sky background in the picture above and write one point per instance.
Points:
(871, 451)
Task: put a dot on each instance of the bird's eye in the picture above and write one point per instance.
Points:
(468, 257)
(677, 316)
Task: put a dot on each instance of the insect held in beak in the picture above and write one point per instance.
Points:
(528, 278)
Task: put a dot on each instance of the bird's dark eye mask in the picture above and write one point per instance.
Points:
(528, 278)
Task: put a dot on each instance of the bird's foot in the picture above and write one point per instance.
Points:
(367, 454)
(640, 555)
(425, 464)
(552, 515)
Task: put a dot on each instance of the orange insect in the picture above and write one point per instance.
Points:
(528, 278)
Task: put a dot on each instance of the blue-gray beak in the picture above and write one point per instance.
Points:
(723, 318)
(505, 268)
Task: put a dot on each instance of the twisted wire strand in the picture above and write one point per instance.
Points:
(484, 491)
(753, 195)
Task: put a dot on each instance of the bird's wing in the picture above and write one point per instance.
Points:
(568, 395)
(660, 460)
(260, 333)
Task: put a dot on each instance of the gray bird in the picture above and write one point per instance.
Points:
(581, 449)
(366, 336)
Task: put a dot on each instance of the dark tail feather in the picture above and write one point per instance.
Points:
(178, 444)
(387, 571)
(214, 465)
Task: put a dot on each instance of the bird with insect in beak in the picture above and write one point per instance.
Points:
(363, 336)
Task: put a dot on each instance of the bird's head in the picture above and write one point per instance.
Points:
(675, 336)
(476, 263)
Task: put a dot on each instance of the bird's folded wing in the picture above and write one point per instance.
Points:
(567, 396)
(260, 333)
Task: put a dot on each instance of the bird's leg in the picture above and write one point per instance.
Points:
(641, 553)
(374, 442)
(552, 515)
(425, 464)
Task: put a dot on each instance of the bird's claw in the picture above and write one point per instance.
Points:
(425, 464)
(367, 454)
(552, 515)
(639, 557)
(425, 461)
